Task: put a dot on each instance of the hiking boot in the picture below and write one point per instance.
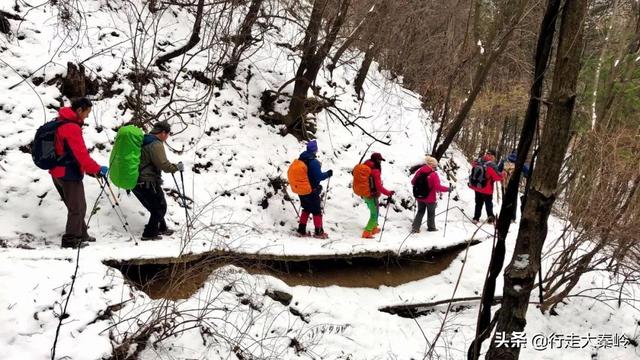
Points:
(166, 232)
(320, 234)
(375, 230)
(302, 229)
(415, 231)
(432, 229)
(367, 234)
(475, 221)
(491, 219)
(73, 243)
(151, 237)
(89, 239)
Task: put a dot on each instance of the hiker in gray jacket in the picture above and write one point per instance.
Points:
(153, 161)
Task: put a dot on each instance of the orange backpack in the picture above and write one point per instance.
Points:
(298, 178)
(361, 180)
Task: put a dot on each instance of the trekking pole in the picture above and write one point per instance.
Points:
(117, 209)
(116, 204)
(184, 202)
(290, 200)
(385, 218)
(95, 204)
(446, 216)
(324, 201)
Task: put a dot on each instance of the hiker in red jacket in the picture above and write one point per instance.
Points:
(428, 203)
(378, 189)
(484, 193)
(67, 178)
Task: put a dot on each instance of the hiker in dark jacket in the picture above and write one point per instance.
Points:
(428, 203)
(484, 194)
(311, 203)
(373, 202)
(67, 178)
(153, 161)
(507, 167)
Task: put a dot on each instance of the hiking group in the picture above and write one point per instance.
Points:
(138, 160)
(136, 164)
(485, 173)
(305, 174)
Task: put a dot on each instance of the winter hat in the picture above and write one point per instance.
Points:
(512, 157)
(431, 161)
(377, 157)
(161, 126)
(312, 146)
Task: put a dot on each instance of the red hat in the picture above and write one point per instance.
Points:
(377, 157)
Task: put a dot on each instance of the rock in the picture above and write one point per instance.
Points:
(279, 296)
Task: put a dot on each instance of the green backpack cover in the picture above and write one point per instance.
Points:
(125, 157)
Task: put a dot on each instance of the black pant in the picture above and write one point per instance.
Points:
(311, 203)
(152, 198)
(431, 216)
(487, 201)
(72, 194)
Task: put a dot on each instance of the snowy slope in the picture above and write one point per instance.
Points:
(236, 155)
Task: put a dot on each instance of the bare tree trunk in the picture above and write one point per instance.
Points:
(302, 84)
(620, 74)
(242, 40)
(456, 125)
(153, 5)
(312, 59)
(596, 80)
(364, 70)
(513, 18)
(355, 34)
(5, 26)
(543, 51)
(444, 116)
(193, 40)
(520, 274)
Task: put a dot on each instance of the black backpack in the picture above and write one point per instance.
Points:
(478, 176)
(421, 188)
(43, 150)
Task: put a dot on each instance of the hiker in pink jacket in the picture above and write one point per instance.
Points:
(426, 184)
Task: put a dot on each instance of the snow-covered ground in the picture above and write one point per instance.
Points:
(229, 199)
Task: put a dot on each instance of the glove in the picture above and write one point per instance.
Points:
(180, 166)
(330, 173)
(389, 201)
(103, 171)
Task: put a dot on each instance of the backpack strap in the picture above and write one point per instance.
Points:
(67, 154)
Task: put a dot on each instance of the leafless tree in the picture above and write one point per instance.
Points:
(521, 272)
